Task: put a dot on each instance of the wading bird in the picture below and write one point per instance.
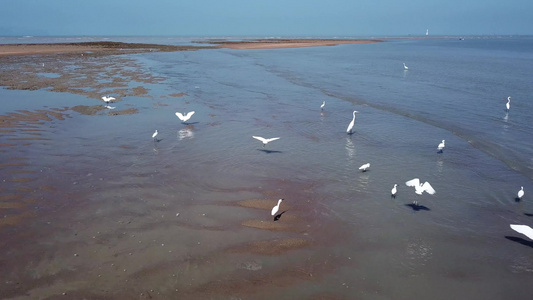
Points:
(523, 229)
(508, 104)
(263, 140)
(184, 118)
(441, 146)
(350, 126)
(364, 167)
(276, 208)
(520, 193)
(393, 191)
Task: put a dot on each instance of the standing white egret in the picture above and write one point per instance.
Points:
(263, 140)
(441, 146)
(323, 104)
(155, 134)
(108, 99)
(521, 193)
(350, 126)
(523, 229)
(276, 208)
(405, 67)
(184, 118)
(508, 104)
(393, 191)
(364, 167)
(420, 188)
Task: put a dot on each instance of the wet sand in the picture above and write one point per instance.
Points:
(73, 234)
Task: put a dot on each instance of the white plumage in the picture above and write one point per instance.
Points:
(521, 193)
(394, 190)
(323, 104)
(405, 67)
(441, 146)
(523, 229)
(155, 134)
(420, 188)
(263, 140)
(185, 118)
(508, 104)
(108, 99)
(350, 126)
(364, 167)
(276, 208)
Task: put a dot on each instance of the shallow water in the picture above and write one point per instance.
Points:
(109, 212)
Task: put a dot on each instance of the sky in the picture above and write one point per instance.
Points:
(320, 18)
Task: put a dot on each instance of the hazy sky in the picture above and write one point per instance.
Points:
(265, 18)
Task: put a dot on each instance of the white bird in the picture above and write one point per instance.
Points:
(186, 117)
(276, 208)
(155, 134)
(323, 104)
(523, 229)
(364, 167)
(441, 146)
(108, 99)
(420, 188)
(263, 140)
(110, 107)
(521, 193)
(405, 67)
(393, 191)
(508, 105)
(349, 129)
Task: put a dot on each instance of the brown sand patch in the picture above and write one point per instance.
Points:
(271, 225)
(128, 111)
(178, 95)
(286, 43)
(28, 139)
(25, 189)
(6, 145)
(12, 164)
(9, 197)
(11, 205)
(21, 179)
(273, 247)
(90, 48)
(265, 204)
(14, 219)
(21, 171)
(88, 110)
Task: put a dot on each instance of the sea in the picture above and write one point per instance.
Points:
(96, 208)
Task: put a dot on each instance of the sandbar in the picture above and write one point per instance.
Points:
(114, 48)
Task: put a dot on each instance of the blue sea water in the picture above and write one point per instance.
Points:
(455, 244)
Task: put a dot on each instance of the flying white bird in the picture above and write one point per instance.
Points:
(276, 208)
(155, 134)
(405, 67)
(441, 146)
(186, 117)
(508, 104)
(349, 129)
(364, 167)
(523, 229)
(393, 191)
(420, 188)
(108, 99)
(521, 193)
(263, 140)
(323, 104)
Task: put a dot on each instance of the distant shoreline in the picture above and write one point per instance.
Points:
(115, 48)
